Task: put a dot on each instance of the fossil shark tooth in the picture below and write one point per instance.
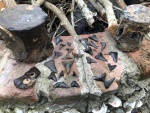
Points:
(60, 85)
(100, 78)
(61, 74)
(100, 56)
(57, 54)
(52, 76)
(74, 74)
(69, 50)
(74, 84)
(93, 37)
(58, 40)
(67, 56)
(69, 44)
(84, 42)
(68, 65)
(51, 65)
(61, 46)
(77, 56)
(108, 83)
(103, 45)
(88, 50)
(114, 55)
(91, 43)
(111, 67)
(89, 60)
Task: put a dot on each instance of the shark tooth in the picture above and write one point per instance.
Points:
(114, 55)
(69, 44)
(68, 65)
(57, 54)
(52, 76)
(77, 56)
(111, 67)
(74, 84)
(93, 37)
(108, 83)
(60, 85)
(84, 42)
(103, 45)
(74, 74)
(51, 65)
(61, 46)
(61, 74)
(89, 60)
(89, 50)
(91, 43)
(100, 56)
(100, 78)
(58, 40)
(69, 50)
(67, 56)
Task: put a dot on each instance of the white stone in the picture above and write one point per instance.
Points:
(115, 101)
(129, 106)
(139, 103)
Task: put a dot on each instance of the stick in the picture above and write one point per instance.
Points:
(72, 10)
(62, 17)
(86, 12)
(98, 7)
(111, 18)
(121, 3)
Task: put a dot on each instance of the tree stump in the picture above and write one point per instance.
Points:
(27, 24)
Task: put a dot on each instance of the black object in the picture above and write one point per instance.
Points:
(84, 42)
(108, 83)
(52, 76)
(61, 74)
(93, 37)
(57, 54)
(67, 65)
(114, 55)
(74, 74)
(100, 78)
(91, 43)
(74, 84)
(88, 50)
(51, 65)
(100, 56)
(61, 46)
(77, 56)
(89, 60)
(60, 85)
(111, 67)
(58, 40)
(103, 45)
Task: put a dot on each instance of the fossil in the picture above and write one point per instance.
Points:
(108, 83)
(67, 56)
(88, 50)
(52, 76)
(57, 54)
(69, 50)
(100, 78)
(28, 79)
(103, 45)
(84, 42)
(60, 85)
(61, 46)
(74, 84)
(111, 67)
(68, 65)
(100, 56)
(51, 65)
(61, 74)
(114, 55)
(58, 40)
(77, 56)
(89, 60)
(91, 43)
(74, 74)
(93, 37)
(69, 44)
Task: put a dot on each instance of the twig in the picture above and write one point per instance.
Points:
(121, 3)
(111, 18)
(56, 30)
(86, 12)
(62, 17)
(50, 24)
(98, 7)
(72, 11)
(117, 8)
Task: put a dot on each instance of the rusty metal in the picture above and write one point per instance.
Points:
(135, 22)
